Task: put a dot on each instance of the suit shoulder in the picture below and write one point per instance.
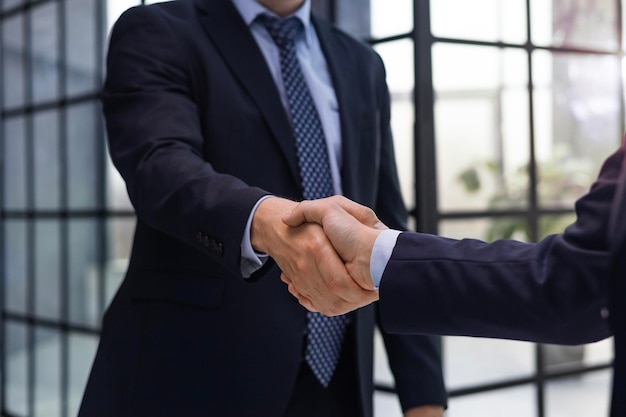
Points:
(153, 14)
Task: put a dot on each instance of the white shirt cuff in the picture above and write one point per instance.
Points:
(381, 253)
(251, 261)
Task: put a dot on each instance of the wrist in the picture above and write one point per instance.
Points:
(361, 265)
(267, 221)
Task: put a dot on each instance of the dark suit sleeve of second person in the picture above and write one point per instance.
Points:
(555, 291)
(415, 360)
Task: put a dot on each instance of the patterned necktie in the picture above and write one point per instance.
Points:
(325, 334)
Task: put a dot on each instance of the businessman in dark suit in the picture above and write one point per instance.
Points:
(567, 289)
(203, 127)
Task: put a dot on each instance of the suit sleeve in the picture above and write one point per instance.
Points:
(156, 143)
(555, 291)
(415, 360)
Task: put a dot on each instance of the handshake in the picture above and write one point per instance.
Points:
(323, 248)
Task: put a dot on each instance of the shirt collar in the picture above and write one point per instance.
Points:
(250, 9)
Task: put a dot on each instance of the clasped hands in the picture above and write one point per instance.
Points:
(323, 248)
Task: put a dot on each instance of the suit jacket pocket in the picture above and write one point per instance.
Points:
(194, 290)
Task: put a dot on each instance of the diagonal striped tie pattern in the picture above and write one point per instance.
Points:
(325, 334)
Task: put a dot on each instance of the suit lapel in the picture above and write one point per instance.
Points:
(233, 39)
(341, 66)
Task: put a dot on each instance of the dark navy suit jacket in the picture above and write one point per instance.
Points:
(198, 132)
(567, 289)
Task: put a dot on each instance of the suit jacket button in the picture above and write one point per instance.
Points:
(218, 248)
(199, 237)
(205, 241)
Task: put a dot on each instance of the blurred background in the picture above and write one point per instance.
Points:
(502, 113)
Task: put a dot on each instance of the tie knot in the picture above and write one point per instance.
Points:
(283, 31)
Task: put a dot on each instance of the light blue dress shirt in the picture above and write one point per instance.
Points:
(317, 77)
(381, 253)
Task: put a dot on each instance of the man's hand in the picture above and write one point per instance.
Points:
(304, 254)
(352, 229)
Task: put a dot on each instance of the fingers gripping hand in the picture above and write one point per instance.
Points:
(316, 210)
(304, 254)
(330, 304)
(350, 227)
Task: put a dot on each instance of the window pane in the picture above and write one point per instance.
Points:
(471, 361)
(13, 61)
(577, 122)
(581, 23)
(45, 52)
(386, 404)
(387, 21)
(47, 268)
(117, 196)
(486, 20)
(116, 7)
(487, 229)
(511, 402)
(579, 396)
(48, 373)
(120, 238)
(15, 172)
(82, 350)
(80, 41)
(16, 266)
(82, 153)
(398, 59)
(47, 169)
(8, 4)
(481, 125)
(16, 363)
(84, 272)
(599, 352)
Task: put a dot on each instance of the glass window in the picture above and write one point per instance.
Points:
(389, 21)
(579, 396)
(47, 160)
(47, 372)
(82, 350)
(47, 269)
(8, 4)
(581, 23)
(511, 402)
(117, 196)
(400, 79)
(16, 268)
(120, 237)
(577, 114)
(84, 272)
(81, 71)
(472, 361)
(13, 57)
(481, 126)
(486, 20)
(17, 375)
(115, 8)
(487, 229)
(45, 52)
(82, 155)
(15, 168)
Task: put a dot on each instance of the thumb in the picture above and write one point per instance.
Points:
(304, 212)
(363, 214)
